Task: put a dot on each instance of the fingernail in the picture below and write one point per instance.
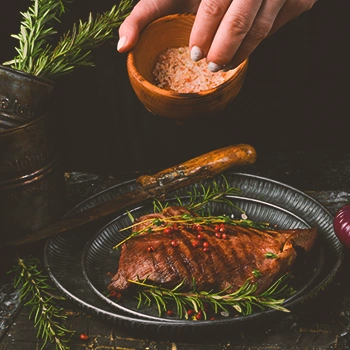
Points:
(213, 67)
(196, 53)
(121, 42)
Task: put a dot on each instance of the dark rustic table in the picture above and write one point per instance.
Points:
(292, 108)
(322, 322)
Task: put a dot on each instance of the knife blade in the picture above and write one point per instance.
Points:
(149, 187)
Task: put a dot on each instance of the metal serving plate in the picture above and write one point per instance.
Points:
(99, 258)
(63, 257)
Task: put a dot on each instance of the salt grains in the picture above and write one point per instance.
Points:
(176, 70)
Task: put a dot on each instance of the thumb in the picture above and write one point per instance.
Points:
(143, 13)
(129, 32)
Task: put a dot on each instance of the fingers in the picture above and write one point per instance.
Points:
(226, 32)
(234, 28)
(259, 30)
(142, 14)
(272, 16)
(220, 27)
(146, 11)
(207, 21)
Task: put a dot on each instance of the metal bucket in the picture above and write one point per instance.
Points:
(23, 97)
(32, 183)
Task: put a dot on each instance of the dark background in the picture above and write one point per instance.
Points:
(295, 98)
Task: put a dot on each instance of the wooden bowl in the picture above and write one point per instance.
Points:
(167, 32)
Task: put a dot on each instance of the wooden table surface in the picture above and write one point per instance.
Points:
(292, 108)
(320, 323)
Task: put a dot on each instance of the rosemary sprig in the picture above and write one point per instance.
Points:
(201, 196)
(35, 31)
(37, 293)
(243, 301)
(73, 49)
(212, 193)
(153, 225)
(198, 199)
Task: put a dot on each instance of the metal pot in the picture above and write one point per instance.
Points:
(23, 97)
(32, 183)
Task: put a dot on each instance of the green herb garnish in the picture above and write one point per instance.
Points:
(256, 273)
(35, 292)
(243, 301)
(198, 200)
(35, 54)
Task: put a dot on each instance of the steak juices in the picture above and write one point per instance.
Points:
(217, 257)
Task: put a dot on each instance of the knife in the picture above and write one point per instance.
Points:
(149, 187)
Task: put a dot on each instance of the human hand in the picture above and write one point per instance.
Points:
(226, 32)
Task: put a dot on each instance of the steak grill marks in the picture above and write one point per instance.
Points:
(226, 265)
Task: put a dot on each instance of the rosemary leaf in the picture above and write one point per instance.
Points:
(244, 301)
(198, 199)
(35, 31)
(36, 293)
(74, 49)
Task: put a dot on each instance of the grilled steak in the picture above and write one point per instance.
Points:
(220, 258)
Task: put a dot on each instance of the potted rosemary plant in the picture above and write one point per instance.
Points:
(39, 62)
(32, 182)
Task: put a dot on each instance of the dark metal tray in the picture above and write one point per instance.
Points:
(63, 257)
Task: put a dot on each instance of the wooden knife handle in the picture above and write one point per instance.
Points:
(154, 186)
(204, 166)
